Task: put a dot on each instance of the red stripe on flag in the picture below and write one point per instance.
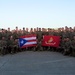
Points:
(33, 45)
(32, 40)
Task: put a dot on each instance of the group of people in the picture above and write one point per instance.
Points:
(9, 40)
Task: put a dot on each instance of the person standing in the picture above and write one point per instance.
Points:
(3, 46)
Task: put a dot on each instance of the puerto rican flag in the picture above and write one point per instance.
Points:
(27, 41)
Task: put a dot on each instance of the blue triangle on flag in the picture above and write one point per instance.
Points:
(22, 41)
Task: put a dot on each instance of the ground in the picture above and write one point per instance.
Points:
(37, 63)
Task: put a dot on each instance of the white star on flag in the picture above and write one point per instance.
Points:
(22, 42)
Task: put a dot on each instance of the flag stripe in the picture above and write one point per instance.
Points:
(33, 45)
(29, 43)
(30, 38)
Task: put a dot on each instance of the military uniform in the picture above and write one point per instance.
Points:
(0, 35)
(11, 45)
(67, 46)
(73, 46)
(39, 38)
(3, 46)
(0, 47)
(39, 45)
(15, 35)
(62, 45)
(39, 35)
(16, 46)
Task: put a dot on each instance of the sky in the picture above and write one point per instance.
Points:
(37, 13)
